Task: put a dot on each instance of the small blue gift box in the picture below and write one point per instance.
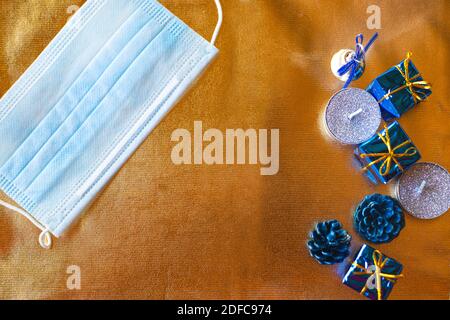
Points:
(373, 274)
(399, 89)
(387, 154)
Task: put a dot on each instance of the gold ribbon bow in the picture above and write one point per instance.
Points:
(409, 82)
(389, 156)
(375, 274)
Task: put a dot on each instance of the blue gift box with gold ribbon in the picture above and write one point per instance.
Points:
(373, 274)
(399, 89)
(387, 154)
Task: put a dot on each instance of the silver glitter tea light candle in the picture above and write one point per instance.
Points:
(352, 116)
(424, 190)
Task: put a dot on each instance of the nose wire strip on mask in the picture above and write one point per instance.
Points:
(45, 238)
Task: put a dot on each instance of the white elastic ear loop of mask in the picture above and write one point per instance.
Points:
(219, 22)
(45, 238)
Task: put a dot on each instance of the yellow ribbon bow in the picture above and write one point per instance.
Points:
(375, 274)
(409, 82)
(389, 156)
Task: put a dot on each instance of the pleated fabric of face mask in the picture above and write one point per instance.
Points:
(87, 103)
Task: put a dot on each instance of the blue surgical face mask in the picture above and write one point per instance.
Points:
(87, 103)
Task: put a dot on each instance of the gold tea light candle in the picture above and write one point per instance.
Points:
(424, 190)
(352, 116)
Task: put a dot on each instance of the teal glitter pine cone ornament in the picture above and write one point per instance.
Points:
(379, 218)
(329, 243)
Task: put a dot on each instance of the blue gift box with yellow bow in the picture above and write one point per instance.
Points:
(373, 274)
(399, 89)
(387, 154)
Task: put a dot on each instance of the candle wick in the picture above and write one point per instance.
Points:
(421, 187)
(354, 114)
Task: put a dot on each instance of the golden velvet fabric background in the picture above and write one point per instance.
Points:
(165, 231)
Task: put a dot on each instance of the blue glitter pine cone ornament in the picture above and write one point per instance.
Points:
(379, 218)
(329, 243)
